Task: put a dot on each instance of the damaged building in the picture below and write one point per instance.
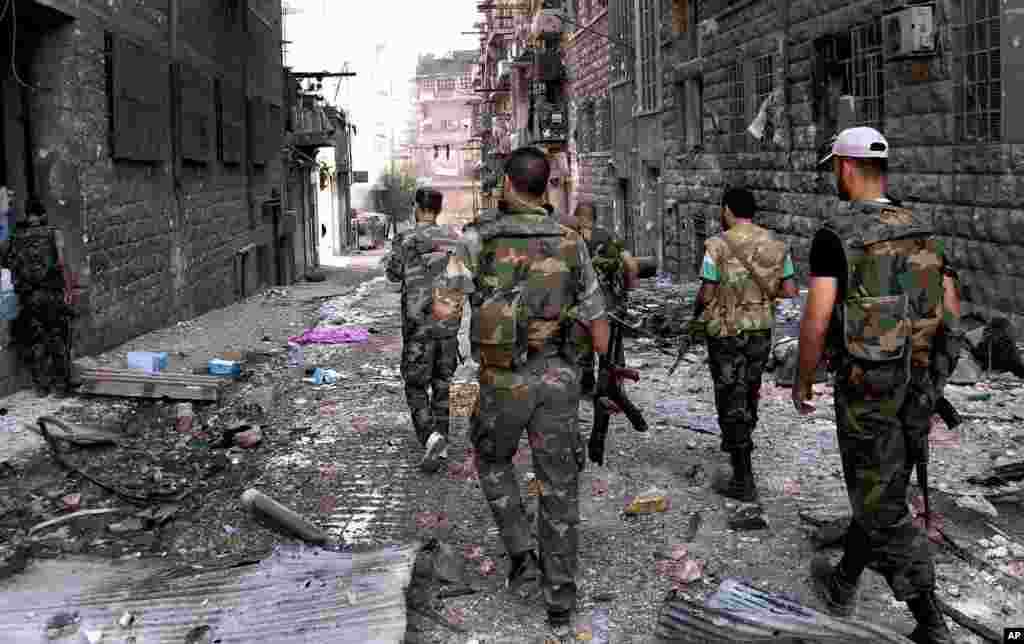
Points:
(667, 102)
(151, 130)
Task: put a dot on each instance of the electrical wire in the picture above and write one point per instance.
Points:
(14, 33)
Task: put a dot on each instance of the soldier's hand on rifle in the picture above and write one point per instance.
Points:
(803, 394)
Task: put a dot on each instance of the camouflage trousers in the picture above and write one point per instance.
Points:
(543, 399)
(880, 441)
(41, 333)
(737, 364)
(428, 365)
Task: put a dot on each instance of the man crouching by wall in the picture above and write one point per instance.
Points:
(431, 316)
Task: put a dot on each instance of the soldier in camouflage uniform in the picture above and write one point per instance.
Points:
(431, 317)
(42, 330)
(532, 283)
(884, 306)
(745, 269)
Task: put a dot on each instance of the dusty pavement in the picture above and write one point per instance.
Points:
(344, 455)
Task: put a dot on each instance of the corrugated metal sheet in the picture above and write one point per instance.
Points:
(740, 613)
(298, 594)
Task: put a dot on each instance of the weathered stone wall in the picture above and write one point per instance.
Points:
(148, 252)
(969, 190)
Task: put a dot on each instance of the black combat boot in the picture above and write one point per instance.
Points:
(931, 625)
(833, 587)
(524, 574)
(741, 486)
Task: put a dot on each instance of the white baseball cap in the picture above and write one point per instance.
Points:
(858, 143)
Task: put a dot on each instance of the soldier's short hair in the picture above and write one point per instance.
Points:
(871, 168)
(430, 200)
(741, 202)
(529, 170)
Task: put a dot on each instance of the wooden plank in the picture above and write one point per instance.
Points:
(174, 391)
(141, 376)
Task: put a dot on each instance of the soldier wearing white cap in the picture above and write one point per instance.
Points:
(883, 308)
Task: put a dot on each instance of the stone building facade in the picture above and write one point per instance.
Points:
(153, 137)
(696, 74)
(440, 149)
(587, 58)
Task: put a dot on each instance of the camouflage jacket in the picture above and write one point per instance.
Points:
(523, 249)
(891, 306)
(740, 304)
(419, 260)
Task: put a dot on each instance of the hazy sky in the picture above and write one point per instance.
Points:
(328, 33)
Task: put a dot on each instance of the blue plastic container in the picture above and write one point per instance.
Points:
(218, 367)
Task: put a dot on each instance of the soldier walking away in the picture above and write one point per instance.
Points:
(42, 330)
(745, 269)
(882, 306)
(431, 316)
(533, 282)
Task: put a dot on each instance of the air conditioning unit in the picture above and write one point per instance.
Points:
(908, 32)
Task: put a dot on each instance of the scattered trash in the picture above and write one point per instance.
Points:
(487, 567)
(979, 396)
(94, 636)
(599, 487)
(148, 361)
(231, 530)
(649, 502)
(199, 635)
(693, 526)
(218, 367)
(127, 526)
(535, 488)
(249, 438)
(790, 487)
(361, 424)
(740, 613)
(72, 502)
(63, 625)
(332, 335)
(70, 517)
(748, 516)
(126, 620)
(325, 376)
(184, 415)
(473, 553)
(282, 517)
(437, 560)
(158, 515)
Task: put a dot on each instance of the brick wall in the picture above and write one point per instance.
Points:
(587, 60)
(149, 254)
(968, 189)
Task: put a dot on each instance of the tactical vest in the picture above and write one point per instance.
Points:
(740, 303)
(528, 272)
(887, 316)
(427, 305)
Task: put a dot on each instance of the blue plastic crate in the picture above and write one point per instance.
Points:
(218, 367)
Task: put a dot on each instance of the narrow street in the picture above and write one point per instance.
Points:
(344, 456)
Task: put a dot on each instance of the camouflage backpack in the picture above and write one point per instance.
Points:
(893, 302)
(428, 302)
(525, 287)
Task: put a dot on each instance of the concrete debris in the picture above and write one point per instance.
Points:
(249, 438)
(133, 524)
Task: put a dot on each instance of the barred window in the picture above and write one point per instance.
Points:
(859, 55)
(622, 30)
(763, 83)
(650, 37)
(465, 81)
(979, 116)
(737, 115)
(603, 125)
(446, 83)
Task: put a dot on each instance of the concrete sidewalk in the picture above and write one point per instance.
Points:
(261, 324)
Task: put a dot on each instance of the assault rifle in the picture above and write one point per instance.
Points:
(694, 333)
(610, 398)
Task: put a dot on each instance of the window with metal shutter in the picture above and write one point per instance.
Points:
(141, 101)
